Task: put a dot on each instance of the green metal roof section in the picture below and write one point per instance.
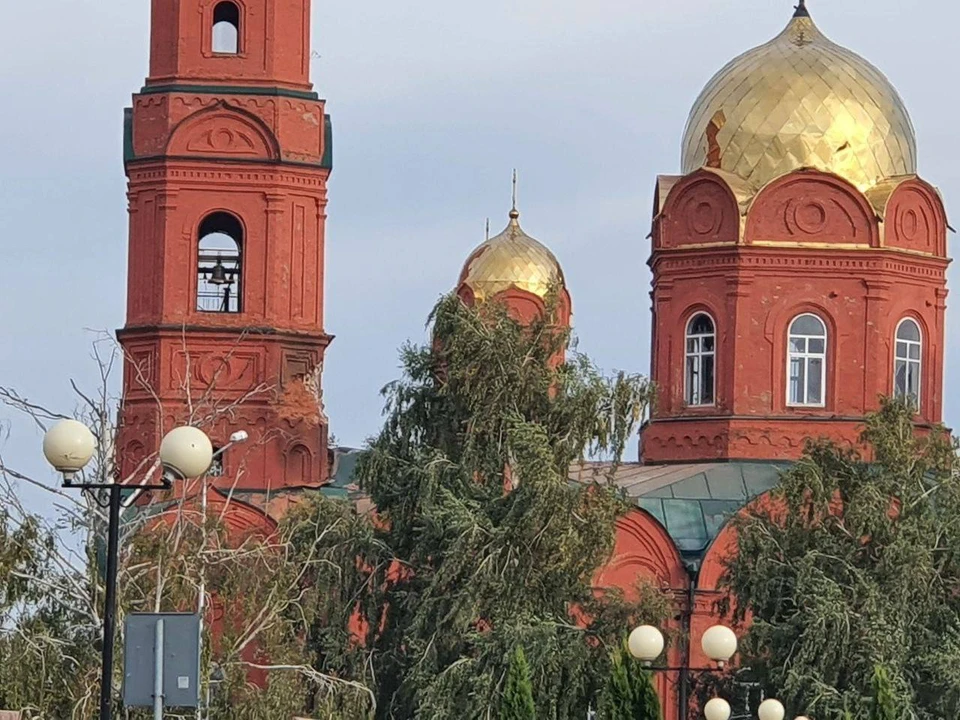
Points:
(342, 481)
(692, 501)
(326, 161)
(228, 90)
(128, 153)
(693, 509)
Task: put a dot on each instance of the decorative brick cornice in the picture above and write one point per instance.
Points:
(255, 333)
(183, 170)
(879, 260)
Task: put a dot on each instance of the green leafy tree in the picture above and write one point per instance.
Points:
(491, 546)
(629, 693)
(279, 601)
(854, 565)
(517, 700)
(265, 592)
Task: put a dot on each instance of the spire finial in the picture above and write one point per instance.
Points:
(514, 213)
(487, 234)
(801, 9)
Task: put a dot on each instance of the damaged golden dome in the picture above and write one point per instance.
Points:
(800, 100)
(512, 259)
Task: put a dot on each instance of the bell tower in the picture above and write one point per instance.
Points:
(227, 151)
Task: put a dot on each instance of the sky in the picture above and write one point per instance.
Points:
(433, 104)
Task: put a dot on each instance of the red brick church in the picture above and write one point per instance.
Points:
(798, 275)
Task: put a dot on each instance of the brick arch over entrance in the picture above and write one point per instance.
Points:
(642, 551)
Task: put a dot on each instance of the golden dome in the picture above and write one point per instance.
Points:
(800, 100)
(512, 259)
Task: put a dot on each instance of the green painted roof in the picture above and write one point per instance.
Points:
(342, 482)
(692, 501)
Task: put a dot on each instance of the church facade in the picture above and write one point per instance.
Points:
(799, 276)
(798, 264)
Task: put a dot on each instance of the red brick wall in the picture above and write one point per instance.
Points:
(809, 242)
(274, 44)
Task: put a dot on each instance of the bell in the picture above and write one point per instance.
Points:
(218, 276)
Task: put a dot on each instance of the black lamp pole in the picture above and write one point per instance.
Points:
(69, 446)
(110, 603)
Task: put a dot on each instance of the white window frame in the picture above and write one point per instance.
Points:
(699, 355)
(223, 41)
(806, 356)
(907, 360)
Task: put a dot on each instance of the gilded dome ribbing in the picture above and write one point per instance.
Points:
(512, 259)
(800, 100)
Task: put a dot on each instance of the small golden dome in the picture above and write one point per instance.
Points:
(800, 100)
(512, 259)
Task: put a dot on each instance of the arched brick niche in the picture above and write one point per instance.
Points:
(915, 219)
(809, 206)
(223, 131)
(701, 209)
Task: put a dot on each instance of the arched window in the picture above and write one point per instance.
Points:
(907, 363)
(226, 28)
(299, 470)
(807, 361)
(219, 256)
(701, 360)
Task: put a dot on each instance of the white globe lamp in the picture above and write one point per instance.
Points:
(771, 709)
(719, 643)
(717, 709)
(68, 446)
(646, 643)
(186, 452)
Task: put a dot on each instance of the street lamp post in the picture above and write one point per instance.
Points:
(68, 446)
(719, 643)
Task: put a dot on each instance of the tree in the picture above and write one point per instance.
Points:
(884, 701)
(517, 700)
(629, 693)
(489, 545)
(261, 591)
(851, 574)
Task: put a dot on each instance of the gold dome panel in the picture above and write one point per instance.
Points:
(800, 100)
(512, 259)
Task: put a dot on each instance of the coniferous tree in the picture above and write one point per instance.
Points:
(517, 701)
(884, 699)
(629, 693)
(853, 565)
(493, 546)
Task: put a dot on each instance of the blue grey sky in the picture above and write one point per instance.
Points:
(433, 103)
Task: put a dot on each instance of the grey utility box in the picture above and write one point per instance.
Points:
(181, 659)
